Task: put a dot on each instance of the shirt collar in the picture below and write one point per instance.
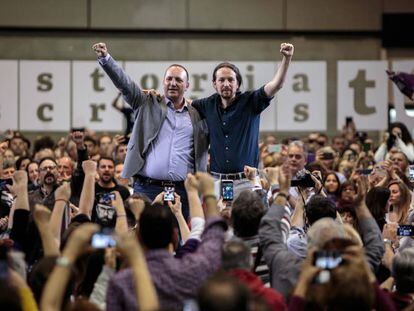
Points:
(171, 105)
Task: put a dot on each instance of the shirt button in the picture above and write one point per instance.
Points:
(227, 161)
(227, 136)
(224, 123)
(227, 148)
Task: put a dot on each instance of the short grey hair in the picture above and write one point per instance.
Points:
(236, 254)
(299, 144)
(403, 271)
(324, 230)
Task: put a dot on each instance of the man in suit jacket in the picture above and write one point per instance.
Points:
(168, 140)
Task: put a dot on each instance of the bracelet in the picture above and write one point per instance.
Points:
(63, 200)
(282, 194)
(64, 262)
(388, 241)
(209, 196)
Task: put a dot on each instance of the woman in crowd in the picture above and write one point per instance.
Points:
(398, 138)
(332, 186)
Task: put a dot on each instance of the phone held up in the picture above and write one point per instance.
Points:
(103, 239)
(227, 190)
(169, 194)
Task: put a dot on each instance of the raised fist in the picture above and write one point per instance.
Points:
(100, 49)
(286, 49)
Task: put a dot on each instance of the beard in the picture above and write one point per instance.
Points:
(50, 179)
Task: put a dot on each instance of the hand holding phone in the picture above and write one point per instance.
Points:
(103, 239)
(405, 230)
(227, 190)
(169, 194)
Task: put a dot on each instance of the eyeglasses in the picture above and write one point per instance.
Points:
(296, 156)
(47, 168)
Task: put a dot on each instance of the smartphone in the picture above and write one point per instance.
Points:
(348, 120)
(405, 230)
(169, 194)
(365, 172)
(274, 148)
(367, 147)
(107, 198)
(4, 183)
(103, 239)
(411, 173)
(227, 190)
(78, 129)
(327, 156)
(327, 260)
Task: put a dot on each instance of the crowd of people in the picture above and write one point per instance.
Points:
(134, 221)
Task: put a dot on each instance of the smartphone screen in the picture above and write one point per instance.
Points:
(411, 173)
(227, 190)
(103, 240)
(274, 148)
(327, 260)
(169, 194)
(365, 171)
(405, 230)
(327, 156)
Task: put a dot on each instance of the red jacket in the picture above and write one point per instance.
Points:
(274, 299)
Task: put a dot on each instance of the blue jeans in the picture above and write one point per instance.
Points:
(152, 191)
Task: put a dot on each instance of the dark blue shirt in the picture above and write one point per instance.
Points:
(234, 131)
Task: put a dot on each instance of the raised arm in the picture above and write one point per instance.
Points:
(369, 230)
(274, 85)
(55, 287)
(62, 195)
(121, 225)
(129, 89)
(41, 216)
(176, 210)
(88, 191)
(144, 287)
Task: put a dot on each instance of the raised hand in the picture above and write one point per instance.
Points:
(3, 147)
(205, 183)
(191, 183)
(176, 207)
(78, 138)
(63, 192)
(100, 49)
(89, 167)
(286, 49)
(250, 172)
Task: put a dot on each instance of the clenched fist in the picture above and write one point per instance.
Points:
(286, 49)
(100, 49)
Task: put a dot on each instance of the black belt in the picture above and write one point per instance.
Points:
(157, 182)
(231, 176)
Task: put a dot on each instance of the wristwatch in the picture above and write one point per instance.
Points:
(388, 241)
(63, 262)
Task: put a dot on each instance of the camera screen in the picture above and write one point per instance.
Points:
(169, 194)
(102, 240)
(227, 190)
(411, 173)
(406, 230)
(327, 260)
